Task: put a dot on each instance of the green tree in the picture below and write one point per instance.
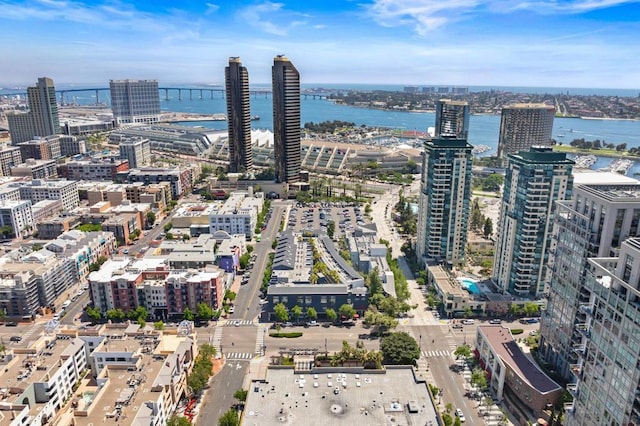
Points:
(188, 314)
(514, 309)
(296, 312)
(457, 422)
(311, 313)
(331, 315)
(531, 309)
(186, 237)
(151, 218)
(399, 349)
(138, 313)
(230, 295)
(347, 311)
(462, 351)
(169, 236)
(492, 182)
(331, 228)
(241, 395)
(379, 321)
(374, 282)
(478, 378)
(487, 229)
(94, 314)
(467, 312)
(90, 227)
(168, 227)
(447, 420)
(204, 311)
(281, 312)
(116, 315)
(176, 420)
(230, 418)
(244, 260)
(158, 325)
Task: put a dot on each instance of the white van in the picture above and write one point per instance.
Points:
(66, 304)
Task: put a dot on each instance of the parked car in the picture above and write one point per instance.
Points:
(495, 321)
(460, 415)
(16, 339)
(232, 309)
(11, 324)
(468, 322)
(312, 324)
(457, 325)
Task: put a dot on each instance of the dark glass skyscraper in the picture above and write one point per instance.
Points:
(452, 119)
(286, 120)
(238, 116)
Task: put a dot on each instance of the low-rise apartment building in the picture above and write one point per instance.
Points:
(84, 248)
(9, 157)
(41, 148)
(94, 169)
(17, 215)
(180, 179)
(238, 214)
(151, 283)
(35, 169)
(38, 190)
(514, 377)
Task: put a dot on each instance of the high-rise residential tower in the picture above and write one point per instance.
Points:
(238, 116)
(535, 179)
(286, 120)
(135, 101)
(523, 126)
(452, 118)
(604, 210)
(605, 379)
(42, 118)
(444, 200)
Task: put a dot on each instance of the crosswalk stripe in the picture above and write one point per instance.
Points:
(232, 323)
(435, 353)
(239, 355)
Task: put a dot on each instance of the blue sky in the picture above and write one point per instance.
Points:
(557, 43)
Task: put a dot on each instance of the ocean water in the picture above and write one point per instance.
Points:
(483, 129)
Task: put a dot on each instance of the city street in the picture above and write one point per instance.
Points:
(218, 398)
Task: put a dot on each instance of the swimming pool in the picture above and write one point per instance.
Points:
(470, 285)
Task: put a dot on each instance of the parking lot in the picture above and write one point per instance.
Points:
(312, 218)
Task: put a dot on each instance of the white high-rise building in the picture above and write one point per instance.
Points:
(135, 101)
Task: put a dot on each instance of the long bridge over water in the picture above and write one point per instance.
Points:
(188, 92)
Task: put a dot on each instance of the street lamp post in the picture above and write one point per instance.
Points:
(420, 344)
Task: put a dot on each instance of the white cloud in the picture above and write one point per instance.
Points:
(211, 8)
(569, 7)
(428, 15)
(423, 15)
(272, 18)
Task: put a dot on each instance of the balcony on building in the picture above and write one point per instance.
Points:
(587, 308)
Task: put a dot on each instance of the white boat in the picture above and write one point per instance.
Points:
(479, 149)
(585, 161)
(620, 165)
